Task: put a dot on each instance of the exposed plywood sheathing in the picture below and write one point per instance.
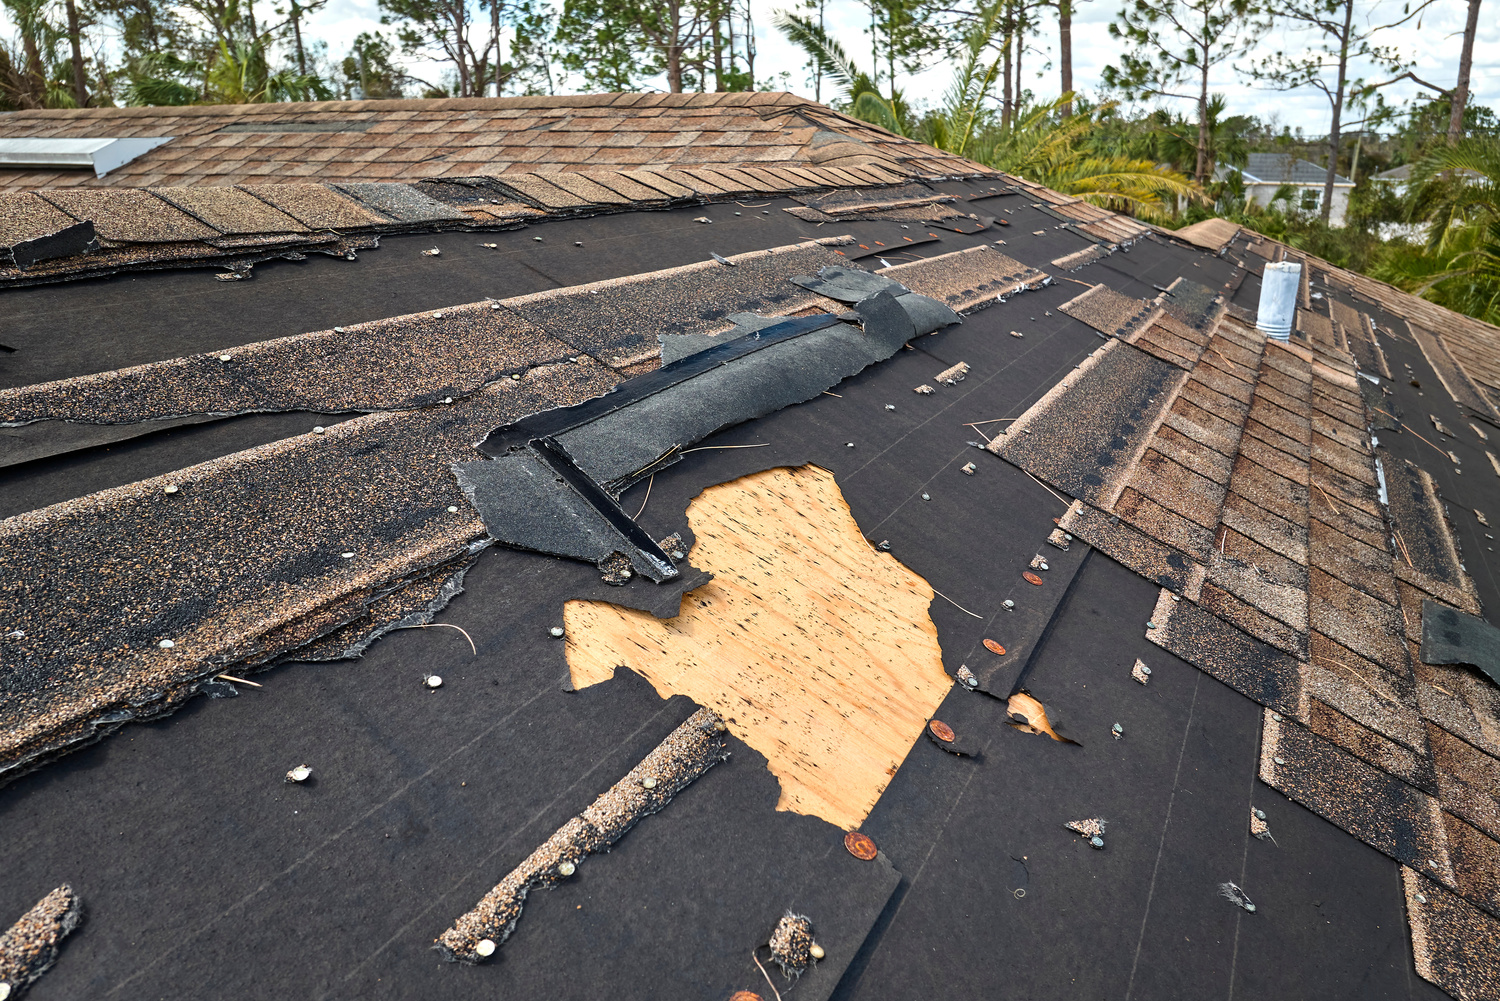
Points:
(816, 649)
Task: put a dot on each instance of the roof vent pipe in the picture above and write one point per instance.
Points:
(1279, 285)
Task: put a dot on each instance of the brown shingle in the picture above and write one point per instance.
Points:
(230, 210)
(128, 216)
(28, 217)
(1468, 780)
(316, 206)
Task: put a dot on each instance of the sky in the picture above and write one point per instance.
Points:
(1434, 46)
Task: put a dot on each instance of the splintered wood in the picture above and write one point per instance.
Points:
(817, 650)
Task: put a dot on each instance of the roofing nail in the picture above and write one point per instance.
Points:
(556, 631)
(170, 488)
(433, 681)
(299, 774)
(166, 644)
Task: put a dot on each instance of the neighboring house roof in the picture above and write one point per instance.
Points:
(1403, 173)
(1283, 168)
(657, 538)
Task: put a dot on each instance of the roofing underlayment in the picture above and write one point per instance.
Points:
(703, 546)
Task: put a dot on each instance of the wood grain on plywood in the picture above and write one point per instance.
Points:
(816, 649)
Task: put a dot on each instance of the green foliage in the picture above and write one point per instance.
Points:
(861, 97)
(1044, 146)
(1174, 46)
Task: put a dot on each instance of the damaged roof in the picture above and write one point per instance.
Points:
(703, 545)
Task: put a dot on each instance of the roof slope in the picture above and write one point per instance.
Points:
(358, 141)
(1229, 554)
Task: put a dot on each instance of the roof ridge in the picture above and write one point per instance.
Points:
(600, 100)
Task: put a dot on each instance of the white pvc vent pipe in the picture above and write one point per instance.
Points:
(1279, 284)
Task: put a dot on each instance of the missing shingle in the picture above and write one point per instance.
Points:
(786, 594)
(689, 751)
(554, 484)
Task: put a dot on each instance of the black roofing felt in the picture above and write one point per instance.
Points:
(236, 883)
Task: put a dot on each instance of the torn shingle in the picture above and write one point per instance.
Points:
(1085, 434)
(1378, 808)
(687, 752)
(1242, 662)
(405, 361)
(1109, 312)
(1452, 637)
(30, 946)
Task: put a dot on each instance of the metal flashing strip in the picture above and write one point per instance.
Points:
(554, 480)
(99, 155)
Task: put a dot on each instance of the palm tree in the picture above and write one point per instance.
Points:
(1456, 190)
(1052, 149)
(859, 90)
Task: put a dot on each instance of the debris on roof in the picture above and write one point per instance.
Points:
(205, 479)
(31, 945)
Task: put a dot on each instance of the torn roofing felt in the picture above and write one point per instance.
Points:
(555, 480)
(377, 487)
